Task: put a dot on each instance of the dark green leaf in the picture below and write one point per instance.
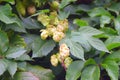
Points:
(99, 11)
(63, 15)
(74, 70)
(17, 40)
(104, 20)
(65, 3)
(12, 68)
(115, 56)
(30, 23)
(115, 8)
(112, 69)
(4, 41)
(10, 1)
(42, 48)
(113, 42)
(3, 66)
(117, 24)
(24, 57)
(25, 76)
(84, 37)
(97, 44)
(40, 72)
(14, 52)
(91, 73)
(90, 62)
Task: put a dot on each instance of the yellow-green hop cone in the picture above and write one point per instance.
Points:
(44, 34)
(57, 36)
(54, 18)
(51, 30)
(68, 61)
(54, 61)
(64, 51)
(54, 5)
(44, 19)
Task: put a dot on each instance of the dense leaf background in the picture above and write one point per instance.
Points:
(93, 38)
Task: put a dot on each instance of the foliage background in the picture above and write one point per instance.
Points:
(93, 38)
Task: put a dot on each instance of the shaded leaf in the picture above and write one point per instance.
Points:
(12, 68)
(3, 66)
(115, 56)
(40, 72)
(4, 41)
(112, 69)
(97, 44)
(104, 20)
(14, 52)
(89, 62)
(42, 48)
(74, 70)
(25, 76)
(113, 42)
(99, 11)
(85, 37)
(30, 23)
(10, 1)
(115, 8)
(91, 73)
(65, 3)
(24, 57)
(117, 24)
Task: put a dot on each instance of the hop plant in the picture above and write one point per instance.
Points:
(55, 28)
(44, 19)
(68, 61)
(64, 51)
(54, 61)
(44, 34)
(57, 36)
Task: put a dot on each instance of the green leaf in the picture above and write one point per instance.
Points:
(89, 62)
(91, 73)
(12, 68)
(108, 32)
(7, 17)
(40, 72)
(3, 66)
(104, 20)
(74, 70)
(63, 15)
(99, 11)
(75, 48)
(24, 57)
(85, 37)
(17, 40)
(115, 56)
(14, 52)
(113, 42)
(42, 48)
(30, 23)
(80, 22)
(112, 69)
(10, 1)
(25, 76)
(4, 41)
(65, 3)
(114, 7)
(97, 44)
(117, 24)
